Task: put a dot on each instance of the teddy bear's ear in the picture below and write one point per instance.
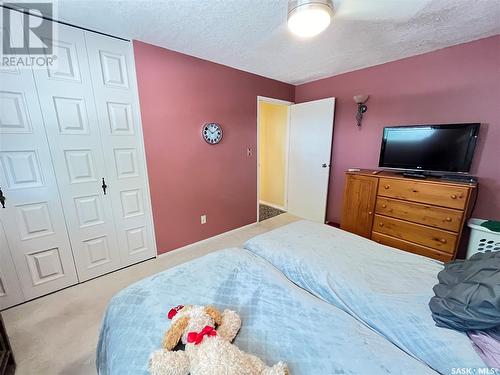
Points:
(174, 334)
(214, 314)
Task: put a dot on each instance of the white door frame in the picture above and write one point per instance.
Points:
(287, 145)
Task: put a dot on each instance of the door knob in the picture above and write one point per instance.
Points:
(104, 186)
(324, 165)
(2, 198)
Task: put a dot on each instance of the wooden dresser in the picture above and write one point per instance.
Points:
(7, 364)
(425, 217)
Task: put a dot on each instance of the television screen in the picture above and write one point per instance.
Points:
(447, 148)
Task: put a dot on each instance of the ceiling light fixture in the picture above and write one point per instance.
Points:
(307, 18)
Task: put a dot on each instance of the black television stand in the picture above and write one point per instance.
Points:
(459, 178)
(414, 175)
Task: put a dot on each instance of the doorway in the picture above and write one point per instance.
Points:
(272, 155)
(294, 144)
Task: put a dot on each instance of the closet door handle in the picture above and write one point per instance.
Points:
(104, 186)
(2, 198)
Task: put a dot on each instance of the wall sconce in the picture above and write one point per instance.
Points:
(362, 108)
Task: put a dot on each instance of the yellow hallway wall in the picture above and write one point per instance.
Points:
(272, 156)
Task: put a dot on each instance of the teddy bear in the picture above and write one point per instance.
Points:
(207, 335)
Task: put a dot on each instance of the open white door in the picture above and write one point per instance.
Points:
(311, 128)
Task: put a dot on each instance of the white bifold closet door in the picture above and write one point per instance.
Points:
(115, 88)
(68, 108)
(65, 132)
(33, 228)
(90, 106)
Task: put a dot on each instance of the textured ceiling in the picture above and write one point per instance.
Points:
(251, 35)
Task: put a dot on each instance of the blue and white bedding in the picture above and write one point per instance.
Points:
(387, 289)
(280, 320)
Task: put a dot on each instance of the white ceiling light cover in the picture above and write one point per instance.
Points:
(307, 18)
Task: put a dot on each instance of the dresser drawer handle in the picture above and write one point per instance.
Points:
(387, 186)
(384, 206)
(448, 219)
(442, 240)
(453, 196)
(369, 213)
(380, 224)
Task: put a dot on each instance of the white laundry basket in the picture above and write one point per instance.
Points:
(481, 239)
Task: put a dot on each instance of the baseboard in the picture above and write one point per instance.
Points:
(186, 247)
(282, 208)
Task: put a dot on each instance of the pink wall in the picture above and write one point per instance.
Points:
(188, 178)
(178, 93)
(452, 85)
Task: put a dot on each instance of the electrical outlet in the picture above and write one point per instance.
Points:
(203, 219)
(249, 151)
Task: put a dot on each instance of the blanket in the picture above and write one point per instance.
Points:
(467, 296)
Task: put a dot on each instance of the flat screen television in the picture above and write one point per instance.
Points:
(432, 148)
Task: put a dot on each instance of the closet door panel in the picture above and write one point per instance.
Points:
(113, 75)
(32, 218)
(10, 288)
(68, 108)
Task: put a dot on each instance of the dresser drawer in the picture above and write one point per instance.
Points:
(432, 193)
(420, 234)
(434, 216)
(411, 247)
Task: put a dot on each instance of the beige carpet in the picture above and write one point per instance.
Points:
(57, 334)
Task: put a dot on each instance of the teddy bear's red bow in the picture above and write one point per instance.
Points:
(197, 337)
(173, 311)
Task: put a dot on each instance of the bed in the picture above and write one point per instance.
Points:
(280, 320)
(384, 288)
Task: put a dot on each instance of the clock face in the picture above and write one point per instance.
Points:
(212, 133)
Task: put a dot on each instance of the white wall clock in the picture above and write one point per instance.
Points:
(212, 133)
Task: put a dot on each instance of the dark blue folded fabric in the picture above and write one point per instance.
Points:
(467, 296)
